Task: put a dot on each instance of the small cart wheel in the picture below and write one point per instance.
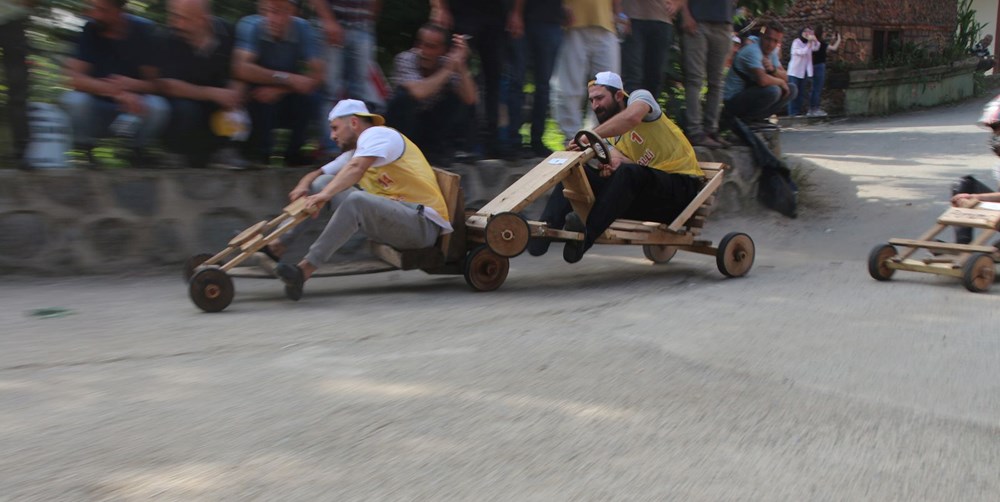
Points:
(485, 270)
(978, 273)
(601, 151)
(657, 253)
(211, 289)
(507, 234)
(877, 260)
(735, 254)
(192, 264)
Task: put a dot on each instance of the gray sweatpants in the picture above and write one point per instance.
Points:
(399, 224)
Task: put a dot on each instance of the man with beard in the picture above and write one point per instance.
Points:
(434, 93)
(112, 74)
(652, 175)
(276, 55)
(399, 204)
(196, 77)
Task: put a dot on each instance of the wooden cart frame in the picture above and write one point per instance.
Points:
(209, 277)
(973, 263)
(503, 233)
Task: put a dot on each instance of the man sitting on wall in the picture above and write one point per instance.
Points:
(112, 75)
(399, 204)
(757, 85)
(434, 92)
(653, 174)
(196, 77)
(272, 49)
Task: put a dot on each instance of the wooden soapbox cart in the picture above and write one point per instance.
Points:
(501, 229)
(973, 263)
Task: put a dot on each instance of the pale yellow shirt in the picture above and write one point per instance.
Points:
(598, 13)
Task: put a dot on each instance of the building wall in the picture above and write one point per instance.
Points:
(927, 22)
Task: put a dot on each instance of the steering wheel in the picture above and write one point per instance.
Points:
(601, 150)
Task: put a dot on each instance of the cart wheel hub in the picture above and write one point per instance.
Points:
(507, 235)
(212, 291)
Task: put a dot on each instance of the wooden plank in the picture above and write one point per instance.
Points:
(943, 246)
(927, 236)
(632, 226)
(451, 189)
(918, 266)
(707, 191)
(367, 266)
(538, 181)
(611, 234)
(296, 207)
(408, 259)
(254, 243)
(966, 217)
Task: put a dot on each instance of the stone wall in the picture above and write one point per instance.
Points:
(74, 221)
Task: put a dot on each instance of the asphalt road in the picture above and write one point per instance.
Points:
(611, 379)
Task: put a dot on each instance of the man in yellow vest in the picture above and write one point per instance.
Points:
(653, 174)
(399, 204)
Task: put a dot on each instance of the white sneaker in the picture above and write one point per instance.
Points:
(817, 113)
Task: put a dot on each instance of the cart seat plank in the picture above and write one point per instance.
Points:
(966, 217)
(942, 246)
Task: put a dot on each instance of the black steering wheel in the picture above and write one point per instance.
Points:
(601, 151)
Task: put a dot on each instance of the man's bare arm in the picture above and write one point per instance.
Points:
(624, 121)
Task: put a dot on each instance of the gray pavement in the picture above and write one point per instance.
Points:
(611, 379)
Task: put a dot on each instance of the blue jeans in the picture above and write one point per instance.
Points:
(819, 78)
(91, 117)
(758, 103)
(795, 105)
(646, 54)
(541, 41)
(347, 68)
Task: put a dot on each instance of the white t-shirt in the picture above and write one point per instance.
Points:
(386, 145)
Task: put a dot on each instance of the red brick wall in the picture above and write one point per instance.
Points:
(928, 22)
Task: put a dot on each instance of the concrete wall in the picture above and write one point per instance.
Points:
(61, 222)
(877, 92)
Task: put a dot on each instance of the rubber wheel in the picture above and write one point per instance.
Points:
(877, 259)
(735, 254)
(978, 273)
(658, 254)
(211, 289)
(601, 151)
(192, 263)
(507, 234)
(485, 270)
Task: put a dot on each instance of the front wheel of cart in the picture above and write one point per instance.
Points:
(211, 289)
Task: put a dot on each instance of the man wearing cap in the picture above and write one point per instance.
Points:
(653, 174)
(757, 85)
(399, 204)
(276, 55)
(195, 76)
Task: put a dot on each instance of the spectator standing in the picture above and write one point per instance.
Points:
(819, 73)
(484, 22)
(757, 85)
(646, 48)
(800, 67)
(707, 31)
(590, 45)
(535, 30)
(347, 45)
(13, 20)
(982, 51)
(276, 55)
(112, 75)
(195, 76)
(434, 92)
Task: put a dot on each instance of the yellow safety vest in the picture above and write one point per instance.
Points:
(660, 145)
(408, 179)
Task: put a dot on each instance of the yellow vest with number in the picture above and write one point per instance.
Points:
(407, 179)
(660, 145)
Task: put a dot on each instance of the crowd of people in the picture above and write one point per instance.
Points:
(214, 94)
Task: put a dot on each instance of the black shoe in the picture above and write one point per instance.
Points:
(573, 250)
(293, 278)
(539, 246)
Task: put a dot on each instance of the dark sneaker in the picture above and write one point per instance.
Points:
(541, 150)
(538, 247)
(719, 139)
(293, 278)
(573, 250)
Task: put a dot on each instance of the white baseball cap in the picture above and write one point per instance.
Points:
(354, 107)
(608, 78)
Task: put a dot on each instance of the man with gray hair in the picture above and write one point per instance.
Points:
(196, 78)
